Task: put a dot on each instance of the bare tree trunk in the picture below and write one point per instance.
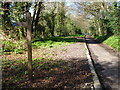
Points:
(6, 23)
(37, 15)
(34, 17)
(99, 28)
(53, 25)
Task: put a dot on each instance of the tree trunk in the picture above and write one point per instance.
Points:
(33, 19)
(6, 23)
(53, 25)
(37, 15)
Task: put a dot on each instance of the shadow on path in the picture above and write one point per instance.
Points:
(106, 64)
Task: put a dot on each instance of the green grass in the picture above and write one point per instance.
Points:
(49, 44)
(102, 38)
(16, 64)
(79, 35)
(53, 42)
(14, 46)
(16, 70)
(113, 41)
(18, 47)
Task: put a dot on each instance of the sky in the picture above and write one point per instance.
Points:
(32, 9)
(68, 3)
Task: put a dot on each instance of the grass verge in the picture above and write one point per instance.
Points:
(112, 41)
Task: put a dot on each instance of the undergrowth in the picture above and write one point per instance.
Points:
(14, 46)
(17, 69)
(18, 47)
(53, 42)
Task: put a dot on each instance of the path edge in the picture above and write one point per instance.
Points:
(97, 85)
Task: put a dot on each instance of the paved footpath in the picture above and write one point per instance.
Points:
(106, 64)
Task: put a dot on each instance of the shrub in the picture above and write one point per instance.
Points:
(17, 46)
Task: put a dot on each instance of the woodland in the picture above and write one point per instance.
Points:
(52, 25)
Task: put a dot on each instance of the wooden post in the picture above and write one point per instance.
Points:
(29, 43)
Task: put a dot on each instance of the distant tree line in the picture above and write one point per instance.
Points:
(104, 17)
(48, 19)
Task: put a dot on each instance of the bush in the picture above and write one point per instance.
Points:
(17, 46)
(8, 46)
(18, 51)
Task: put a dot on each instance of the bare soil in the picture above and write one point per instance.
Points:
(72, 70)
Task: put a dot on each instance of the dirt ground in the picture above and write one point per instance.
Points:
(72, 72)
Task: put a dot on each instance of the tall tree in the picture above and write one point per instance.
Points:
(114, 19)
(50, 17)
(37, 14)
(61, 17)
(6, 22)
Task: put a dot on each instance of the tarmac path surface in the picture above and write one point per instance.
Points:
(106, 63)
